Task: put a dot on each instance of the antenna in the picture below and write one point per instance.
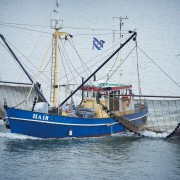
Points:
(120, 26)
(56, 23)
(121, 36)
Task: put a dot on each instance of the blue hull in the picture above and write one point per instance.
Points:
(53, 126)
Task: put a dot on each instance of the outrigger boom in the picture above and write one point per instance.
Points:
(34, 83)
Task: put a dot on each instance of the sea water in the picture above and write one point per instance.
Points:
(114, 157)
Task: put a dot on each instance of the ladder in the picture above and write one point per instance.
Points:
(52, 71)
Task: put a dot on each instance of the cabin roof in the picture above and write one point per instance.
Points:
(106, 87)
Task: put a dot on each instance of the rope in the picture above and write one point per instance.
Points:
(16, 96)
(43, 27)
(111, 67)
(163, 116)
(22, 55)
(83, 63)
(67, 27)
(149, 115)
(68, 63)
(42, 62)
(95, 58)
(64, 66)
(139, 84)
(177, 129)
(128, 125)
(176, 110)
(117, 69)
(159, 67)
(169, 114)
(27, 29)
(121, 120)
(157, 119)
(121, 63)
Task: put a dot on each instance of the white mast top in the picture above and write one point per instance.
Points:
(56, 23)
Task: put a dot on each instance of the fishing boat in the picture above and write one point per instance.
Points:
(89, 120)
(105, 108)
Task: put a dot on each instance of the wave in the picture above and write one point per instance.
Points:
(16, 136)
(151, 134)
(154, 134)
(1, 123)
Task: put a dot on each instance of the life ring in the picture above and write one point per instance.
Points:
(68, 111)
(125, 98)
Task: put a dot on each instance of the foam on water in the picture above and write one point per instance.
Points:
(24, 137)
(1, 123)
(16, 136)
(154, 134)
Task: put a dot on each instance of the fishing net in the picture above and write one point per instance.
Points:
(163, 118)
(16, 95)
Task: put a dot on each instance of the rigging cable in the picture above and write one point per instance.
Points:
(67, 27)
(163, 116)
(28, 61)
(176, 110)
(97, 57)
(43, 27)
(169, 114)
(39, 69)
(66, 75)
(22, 55)
(13, 57)
(27, 29)
(63, 65)
(139, 82)
(45, 32)
(159, 67)
(156, 116)
(122, 62)
(70, 63)
(110, 68)
(80, 58)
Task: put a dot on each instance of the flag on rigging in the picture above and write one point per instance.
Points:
(98, 44)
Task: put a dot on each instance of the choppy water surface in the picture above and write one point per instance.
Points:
(113, 157)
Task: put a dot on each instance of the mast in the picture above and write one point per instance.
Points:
(55, 70)
(54, 64)
(120, 36)
(56, 24)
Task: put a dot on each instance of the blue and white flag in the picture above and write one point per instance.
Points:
(98, 44)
